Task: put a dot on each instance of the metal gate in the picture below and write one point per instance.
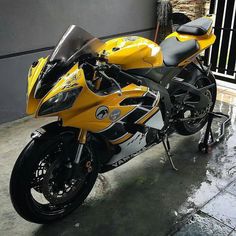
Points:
(222, 55)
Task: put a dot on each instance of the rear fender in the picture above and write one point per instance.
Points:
(190, 74)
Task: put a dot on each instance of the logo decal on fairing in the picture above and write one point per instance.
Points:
(102, 112)
(126, 159)
(115, 115)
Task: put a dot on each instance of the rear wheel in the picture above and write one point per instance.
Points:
(43, 186)
(193, 125)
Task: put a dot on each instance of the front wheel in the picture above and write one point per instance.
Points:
(44, 187)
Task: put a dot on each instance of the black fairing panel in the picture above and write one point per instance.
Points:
(49, 76)
(156, 74)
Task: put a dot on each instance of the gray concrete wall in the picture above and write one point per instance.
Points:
(27, 27)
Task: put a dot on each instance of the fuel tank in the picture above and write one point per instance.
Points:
(132, 52)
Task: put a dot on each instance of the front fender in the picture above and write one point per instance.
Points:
(102, 149)
(67, 136)
(54, 130)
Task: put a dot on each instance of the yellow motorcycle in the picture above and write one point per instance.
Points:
(113, 100)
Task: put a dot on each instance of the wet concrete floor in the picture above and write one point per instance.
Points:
(144, 196)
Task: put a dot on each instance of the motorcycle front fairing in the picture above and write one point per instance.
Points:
(83, 110)
(69, 97)
(60, 88)
(44, 73)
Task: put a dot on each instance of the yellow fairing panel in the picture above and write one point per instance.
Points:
(33, 75)
(133, 52)
(83, 112)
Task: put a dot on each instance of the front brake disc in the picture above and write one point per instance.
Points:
(58, 190)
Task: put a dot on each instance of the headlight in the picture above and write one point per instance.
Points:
(59, 102)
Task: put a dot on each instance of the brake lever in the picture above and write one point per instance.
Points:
(113, 80)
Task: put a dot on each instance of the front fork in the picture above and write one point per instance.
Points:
(82, 140)
(76, 173)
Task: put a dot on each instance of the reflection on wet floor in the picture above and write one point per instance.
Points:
(144, 196)
(226, 95)
(215, 200)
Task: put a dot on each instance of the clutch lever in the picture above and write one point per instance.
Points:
(104, 75)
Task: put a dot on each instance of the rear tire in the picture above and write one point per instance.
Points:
(21, 182)
(184, 128)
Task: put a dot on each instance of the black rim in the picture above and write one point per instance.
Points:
(196, 123)
(51, 190)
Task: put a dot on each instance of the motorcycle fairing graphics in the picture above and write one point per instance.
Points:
(113, 100)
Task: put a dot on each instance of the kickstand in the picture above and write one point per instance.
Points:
(166, 144)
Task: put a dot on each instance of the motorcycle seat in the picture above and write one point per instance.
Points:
(197, 27)
(175, 51)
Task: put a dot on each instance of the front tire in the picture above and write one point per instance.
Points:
(22, 187)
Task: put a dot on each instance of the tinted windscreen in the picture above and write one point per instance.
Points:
(74, 42)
